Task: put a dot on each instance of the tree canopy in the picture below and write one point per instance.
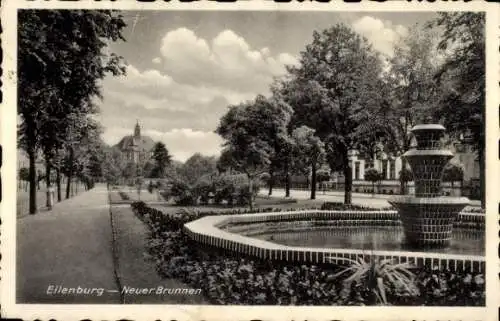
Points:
(463, 79)
(62, 58)
(336, 91)
(162, 159)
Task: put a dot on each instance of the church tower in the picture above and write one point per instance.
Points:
(137, 130)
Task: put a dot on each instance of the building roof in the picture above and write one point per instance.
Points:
(130, 142)
(136, 142)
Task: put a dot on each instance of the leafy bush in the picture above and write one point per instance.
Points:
(234, 279)
(151, 187)
(124, 196)
(203, 189)
(182, 194)
(234, 189)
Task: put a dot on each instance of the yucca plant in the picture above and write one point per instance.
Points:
(378, 276)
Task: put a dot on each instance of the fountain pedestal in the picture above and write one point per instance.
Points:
(428, 216)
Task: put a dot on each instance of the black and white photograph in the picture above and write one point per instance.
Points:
(251, 158)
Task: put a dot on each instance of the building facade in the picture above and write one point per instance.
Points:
(390, 166)
(136, 148)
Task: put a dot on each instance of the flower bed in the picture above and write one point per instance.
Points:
(227, 278)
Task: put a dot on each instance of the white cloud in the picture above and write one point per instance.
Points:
(225, 61)
(154, 89)
(382, 34)
(182, 98)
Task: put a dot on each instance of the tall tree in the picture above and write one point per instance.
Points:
(113, 165)
(61, 61)
(82, 141)
(372, 175)
(310, 152)
(414, 92)
(335, 90)
(197, 166)
(162, 159)
(462, 76)
(249, 130)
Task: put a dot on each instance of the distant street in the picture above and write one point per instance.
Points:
(378, 200)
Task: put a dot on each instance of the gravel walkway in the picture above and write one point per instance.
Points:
(68, 247)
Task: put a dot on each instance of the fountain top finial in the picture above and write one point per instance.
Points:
(428, 127)
(428, 136)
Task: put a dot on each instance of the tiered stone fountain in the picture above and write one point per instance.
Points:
(428, 216)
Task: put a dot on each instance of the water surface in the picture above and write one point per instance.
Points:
(464, 241)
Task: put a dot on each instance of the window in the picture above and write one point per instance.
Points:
(392, 171)
(356, 170)
(384, 169)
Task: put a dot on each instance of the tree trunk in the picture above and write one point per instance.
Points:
(482, 177)
(313, 181)
(287, 179)
(47, 181)
(373, 189)
(58, 182)
(271, 182)
(347, 180)
(250, 191)
(32, 181)
(402, 182)
(68, 186)
(70, 174)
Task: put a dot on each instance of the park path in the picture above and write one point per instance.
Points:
(69, 246)
(80, 244)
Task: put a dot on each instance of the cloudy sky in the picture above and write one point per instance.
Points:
(185, 68)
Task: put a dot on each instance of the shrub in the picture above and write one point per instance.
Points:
(182, 194)
(203, 188)
(151, 187)
(124, 195)
(234, 189)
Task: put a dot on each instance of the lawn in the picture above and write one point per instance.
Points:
(260, 202)
(136, 269)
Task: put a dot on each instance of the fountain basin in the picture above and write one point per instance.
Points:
(237, 233)
(428, 221)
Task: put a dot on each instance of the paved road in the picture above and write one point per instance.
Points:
(366, 200)
(70, 246)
